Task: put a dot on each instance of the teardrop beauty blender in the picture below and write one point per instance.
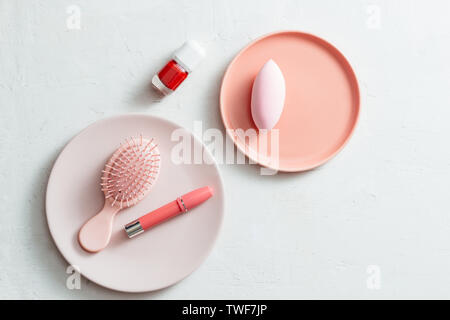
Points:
(268, 94)
(127, 178)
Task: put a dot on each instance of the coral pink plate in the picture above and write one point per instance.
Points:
(322, 99)
(157, 258)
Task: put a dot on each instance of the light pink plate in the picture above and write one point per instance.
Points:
(159, 257)
(322, 99)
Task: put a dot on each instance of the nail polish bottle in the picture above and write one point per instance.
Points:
(183, 62)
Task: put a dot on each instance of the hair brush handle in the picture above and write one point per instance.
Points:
(96, 232)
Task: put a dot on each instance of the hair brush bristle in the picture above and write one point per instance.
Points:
(130, 173)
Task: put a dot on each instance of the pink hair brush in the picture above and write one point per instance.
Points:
(127, 178)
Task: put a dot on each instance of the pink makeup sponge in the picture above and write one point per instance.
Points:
(268, 94)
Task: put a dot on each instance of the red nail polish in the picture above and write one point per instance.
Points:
(184, 61)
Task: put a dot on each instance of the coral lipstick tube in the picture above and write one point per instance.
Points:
(181, 205)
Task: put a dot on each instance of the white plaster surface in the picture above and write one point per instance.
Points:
(383, 201)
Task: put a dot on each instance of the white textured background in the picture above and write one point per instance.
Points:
(383, 201)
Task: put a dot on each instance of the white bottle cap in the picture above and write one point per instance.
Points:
(189, 55)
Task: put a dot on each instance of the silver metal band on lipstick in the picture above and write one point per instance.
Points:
(182, 203)
(133, 229)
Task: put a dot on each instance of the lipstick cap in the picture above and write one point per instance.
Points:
(196, 197)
